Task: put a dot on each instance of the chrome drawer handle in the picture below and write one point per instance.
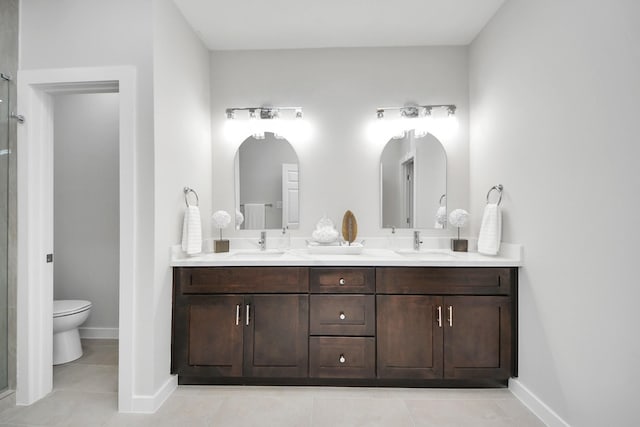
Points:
(237, 314)
(450, 316)
(342, 358)
(341, 281)
(440, 316)
(342, 316)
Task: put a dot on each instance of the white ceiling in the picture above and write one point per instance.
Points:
(292, 24)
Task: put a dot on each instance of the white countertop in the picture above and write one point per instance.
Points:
(432, 256)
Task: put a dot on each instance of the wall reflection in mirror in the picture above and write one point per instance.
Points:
(266, 183)
(413, 180)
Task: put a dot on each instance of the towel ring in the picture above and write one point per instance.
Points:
(444, 196)
(497, 188)
(188, 190)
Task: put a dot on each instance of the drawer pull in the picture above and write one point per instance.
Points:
(342, 316)
(248, 312)
(342, 358)
(450, 315)
(440, 316)
(237, 314)
(342, 281)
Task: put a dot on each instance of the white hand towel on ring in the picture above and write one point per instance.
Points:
(192, 231)
(490, 230)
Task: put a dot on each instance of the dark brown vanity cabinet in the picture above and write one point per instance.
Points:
(224, 328)
(425, 332)
(397, 326)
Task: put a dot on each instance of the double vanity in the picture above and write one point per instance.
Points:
(380, 318)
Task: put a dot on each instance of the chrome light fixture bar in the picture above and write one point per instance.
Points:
(265, 113)
(415, 111)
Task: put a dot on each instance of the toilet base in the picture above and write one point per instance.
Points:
(66, 346)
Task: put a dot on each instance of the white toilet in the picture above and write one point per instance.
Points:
(67, 316)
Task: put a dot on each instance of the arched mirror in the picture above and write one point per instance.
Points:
(266, 183)
(413, 181)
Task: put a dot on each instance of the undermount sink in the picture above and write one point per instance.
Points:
(257, 253)
(426, 253)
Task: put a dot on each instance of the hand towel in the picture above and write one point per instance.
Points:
(254, 216)
(441, 217)
(490, 230)
(192, 231)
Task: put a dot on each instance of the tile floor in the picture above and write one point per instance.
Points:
(85, 394)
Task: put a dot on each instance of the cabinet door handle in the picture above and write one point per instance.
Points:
(342, 359)
(237, 314)
(440, 316)
(450, 315)
(341, 282)
(342, 315)
(248, 311)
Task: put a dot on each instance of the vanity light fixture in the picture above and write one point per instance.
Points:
(255, 121)
(265, 113)
(418, 117)
(416, 111)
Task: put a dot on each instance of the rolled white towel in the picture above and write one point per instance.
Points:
(192, 231)
(490, 230)
(441, 217)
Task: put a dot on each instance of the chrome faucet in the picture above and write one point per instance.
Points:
(416, 240)
(263, 241)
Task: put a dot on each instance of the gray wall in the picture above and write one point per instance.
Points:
(554, 107)
(86, 206)
(9, 19)
(339, 90)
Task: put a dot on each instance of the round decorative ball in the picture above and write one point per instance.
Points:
(458, 218)
(221, 219)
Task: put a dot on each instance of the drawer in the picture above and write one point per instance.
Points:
(342, 357)
(239, 280)
(445, 280)
(342, 315)
(343, 280)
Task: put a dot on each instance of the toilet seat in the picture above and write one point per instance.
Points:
(69, 307)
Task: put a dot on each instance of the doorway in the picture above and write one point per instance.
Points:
(36, 91)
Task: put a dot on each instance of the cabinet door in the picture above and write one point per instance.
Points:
(215, 335)
(276, 339)
(409, 336)
(477, 337)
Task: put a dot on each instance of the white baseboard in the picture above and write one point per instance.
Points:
(535, 405)
(99, 333)
(150, 404)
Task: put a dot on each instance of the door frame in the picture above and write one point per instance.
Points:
(34, 340)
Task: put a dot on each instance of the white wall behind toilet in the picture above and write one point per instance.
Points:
(86, 207)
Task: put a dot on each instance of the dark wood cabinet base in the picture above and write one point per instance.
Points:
(342, 382)
(345, 327)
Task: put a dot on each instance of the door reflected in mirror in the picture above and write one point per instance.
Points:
(413, 181)
(266, 183)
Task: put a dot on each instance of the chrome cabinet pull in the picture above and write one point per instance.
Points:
(342, 358)
(342, 316)
(341, 281)
(450, 315)
(237, 314)
(440, 316)
(248, 311)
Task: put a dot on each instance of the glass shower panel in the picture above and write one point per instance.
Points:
(4, 229)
